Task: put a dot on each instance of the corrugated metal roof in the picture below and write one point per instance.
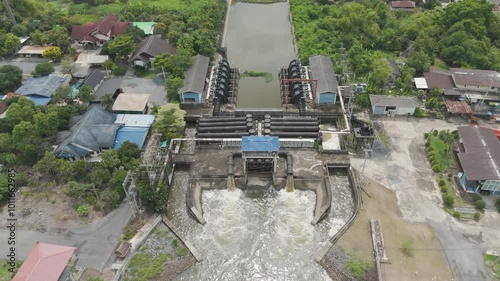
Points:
(150, 47)
(131, 102)
(135, 120)
(94, 78)
(194, 80)
(41, 86)
(322, 69)
(458, 107)
(45, 262)
(481, 159)
(108, 87)
(260, 144)
(399, 101)
(420, 83)
(438, 80)
(132, 134)
(476, 77)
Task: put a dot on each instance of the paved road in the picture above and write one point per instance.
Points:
(154, 87)
(95, 244)
(27, 64)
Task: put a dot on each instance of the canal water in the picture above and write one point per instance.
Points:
(259, 39)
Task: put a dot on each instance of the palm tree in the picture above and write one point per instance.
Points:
(107, 101)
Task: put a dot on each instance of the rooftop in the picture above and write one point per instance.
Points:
(135, 120)
(93, 79)
(110, 24)
(31, 50)
(45, 262)
(260, 144)
(439, 80)
(403, 4)
(89, 59)
(131, 102)
(322, 69)
(151, 46)
(481, 159)
(458, 107)
(420, 83)
(400, 101)
(41, 89)
(108, 87)
(476, 77)
(195, 76)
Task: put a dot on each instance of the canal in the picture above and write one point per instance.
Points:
(259, 38)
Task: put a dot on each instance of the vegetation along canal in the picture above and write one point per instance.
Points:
(259, 39)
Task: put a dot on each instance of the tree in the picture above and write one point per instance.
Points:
(110, 160)
(170, 121)
(100, 176)
(448, 200)
(52, 53)
(433, 104)
(4, 187)
(22, 110)
(121, 46)
(127, 152)
(173, 86)
(381, 72)
(59, 37)
(79, 170)
(62, 95)
(10, 78)
(11, 44)
(108, 64)
(19, 30)
(43, 69)
(107, 101)
(174, 64)
(420, 61)
(51, 166)
(45, 123)
(135, 32)
(23, 132)
(363, 100)
(68, 66)
(85, 94)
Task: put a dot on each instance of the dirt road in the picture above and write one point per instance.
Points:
(404, 169)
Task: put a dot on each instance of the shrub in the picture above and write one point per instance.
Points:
(476, 197)
(432, 154)
(448, 200)
(435, 168)
(444, 189)
(435, 132)
(427, 144)
(497, 204)
(477, 215)
(456, 214)
(83, 210)
(119, 70)
(441, 182)
(432, 158)
(407, 248)
(426, 135)
(480, 204)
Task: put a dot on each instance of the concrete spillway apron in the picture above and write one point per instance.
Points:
(186, 242)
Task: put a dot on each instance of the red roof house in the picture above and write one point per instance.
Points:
(403, 5)
(45, 262)
(100, 32)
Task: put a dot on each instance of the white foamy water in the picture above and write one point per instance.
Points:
(258, 234)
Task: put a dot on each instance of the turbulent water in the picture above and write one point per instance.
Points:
(257, 234)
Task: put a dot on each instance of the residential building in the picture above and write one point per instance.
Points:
(40, 90)
(100, 32)
(479, 157)
(131, 103)
(47, 262)
(394, 105)
(30, 51)
(89, 60)
(408, 6)
(109, 86)
(476, 80)
(193, 90)
(327, 85)
(94, 80)
(149, 48)
(135, 129)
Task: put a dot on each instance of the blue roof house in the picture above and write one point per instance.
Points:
(40, 90)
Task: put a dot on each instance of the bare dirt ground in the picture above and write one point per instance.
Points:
(428, 261)
(403, 168)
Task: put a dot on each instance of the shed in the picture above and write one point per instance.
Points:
(45, 262)
(131, 103)
(322, 69)
(149, 48)
(194, 81)
(41, 89)
(393, 105)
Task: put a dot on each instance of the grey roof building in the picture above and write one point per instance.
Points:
(40, 90)
(90, 133)
(110, 86)
(94, 80)
(322, 69)
(194, 81)
(149, 48)
(393, 105)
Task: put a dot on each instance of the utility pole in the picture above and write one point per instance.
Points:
(9, 11)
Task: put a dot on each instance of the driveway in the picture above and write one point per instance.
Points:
(28, 64)
(154, 87)
(95, 243)
(404, 169)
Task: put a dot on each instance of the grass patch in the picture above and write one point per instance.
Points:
(5, 274)
(164, 4)
(407, 248)
(357, 267)
(440, 154)
(492, 264)
(181, 252)
(440, 65)
(268, 77)
(144, 266)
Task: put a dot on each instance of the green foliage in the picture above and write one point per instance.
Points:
(173, 86)
(420, 113)
(480, 204)
(68, 66)
(448, 200)
(497, 204)
(435, 168)
(78, 191)
(10, 78)
(45, 123)
(174, 64)
(381, 72)
(267, 75)
(170, 121)
(457, 214)
(129, 235)
(444, 189)
(144, 266)
(181, 252)
(121, 46)
(9, 44)
(4, 187)
(107, 101)
(52, 53)
(357, 267)
(127, 152)
(175, 243)
(43, 69)
(154, 198)
(135, 32)
(407, 248)
(19, 30)
(439, 144)
(434, 104)
(118, 70)
(83, 210)
(477, 215)
(441, 182)
(363, 100)
(476, 197)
